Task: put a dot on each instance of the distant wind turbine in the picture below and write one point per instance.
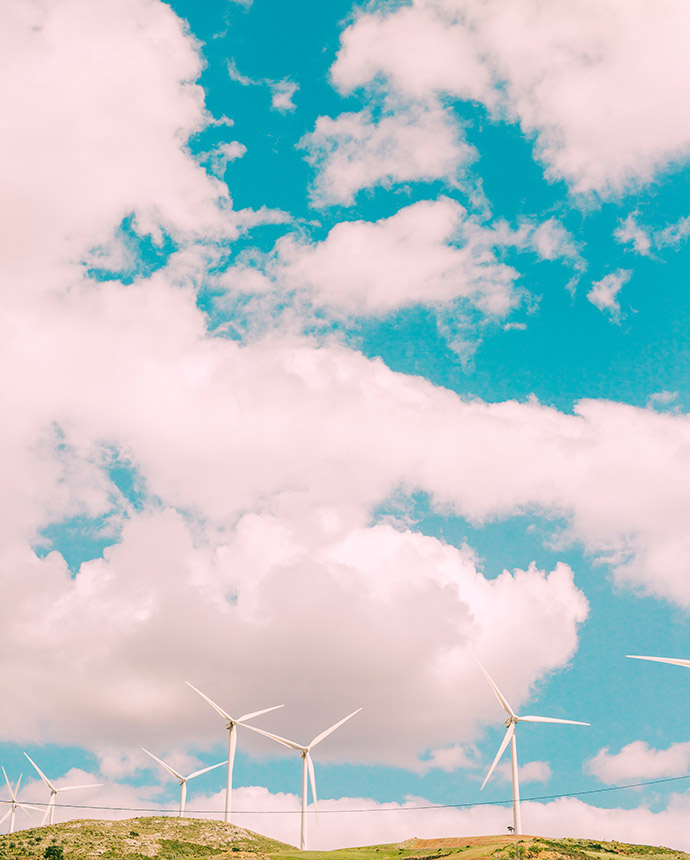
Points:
(307, 766)
(50, 809)
(672, 660)
(14, 803)
(230, 725)
(182, 779)
(511, 722)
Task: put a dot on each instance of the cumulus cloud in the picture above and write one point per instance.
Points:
(644, 239)
(531, 771)
(603, 294)
(257, 468)
(159, 608)
(277, 453)
(639, 761)
(629, 231)
(662, 399)
(419, 52)
(281, 91)
(429, 253)
(350, 821)
(432, 253)
(598, 85)
(117, 133)
(416, 142)
(449, 759)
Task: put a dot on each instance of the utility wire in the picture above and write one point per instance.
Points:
(175, 810)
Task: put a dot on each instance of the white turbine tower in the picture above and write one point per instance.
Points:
(511, 722)
(230, 725)
(182, 779)
(307, 766)
(14, 803)
(50, 809)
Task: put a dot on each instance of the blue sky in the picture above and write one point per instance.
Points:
(340, 344)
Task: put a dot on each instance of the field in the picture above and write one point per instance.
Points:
(194, 839)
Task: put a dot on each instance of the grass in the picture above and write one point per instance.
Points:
(158, 838)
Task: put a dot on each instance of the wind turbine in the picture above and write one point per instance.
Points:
(14, 803)
(50, 809)
(511, 722)
(182, 779)
(307, 765)
(232, 739)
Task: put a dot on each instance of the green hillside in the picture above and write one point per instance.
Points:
(194, 839)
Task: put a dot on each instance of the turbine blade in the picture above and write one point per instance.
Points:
(163, 764)
(319, 738)
(284, 741)
(41, 774)
(16, 788)
(499, 695)
(9, 787)
(6, 816)
(312, 780)
(671, 660)
(506, 740)
(257, 713)
(216, 708)
(75, 787)
(206, 769)
(531, 719)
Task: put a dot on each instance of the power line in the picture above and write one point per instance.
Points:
(175, 810)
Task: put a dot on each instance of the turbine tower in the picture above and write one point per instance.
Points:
(14, 803)
(182, 779)
(511, 722)
(230, 724)
(307, 766)
(50, 809)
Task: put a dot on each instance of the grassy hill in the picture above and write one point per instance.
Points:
(194, 839)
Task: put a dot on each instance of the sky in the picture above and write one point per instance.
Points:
(343, 344)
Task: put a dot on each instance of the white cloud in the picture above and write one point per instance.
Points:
(159, 609)
(638, 761)
(662, 399)
(281, 95)
(351, 821)
(117, 133)
(279, 452)
(599, 85)
(630, 231)
(603, 294)
(281, 91)
(449, 759)
(411, 142)
(431, 253)
(219, 158)
(531, 771)
(644, 239)
(428, 253)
